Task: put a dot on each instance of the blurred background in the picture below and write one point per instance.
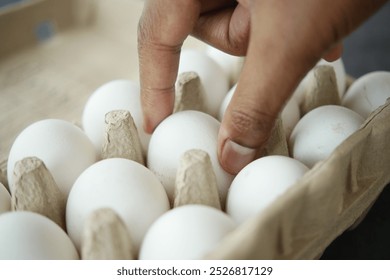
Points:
(7, 2)
(368, 48)
(365, 50)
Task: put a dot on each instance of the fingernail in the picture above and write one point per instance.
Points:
(149, 125)
(235, 157)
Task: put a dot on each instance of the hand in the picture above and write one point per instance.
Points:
(282, 41)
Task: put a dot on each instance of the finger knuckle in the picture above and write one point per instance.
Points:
(252, 121)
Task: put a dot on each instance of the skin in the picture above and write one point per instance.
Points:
(281, 39)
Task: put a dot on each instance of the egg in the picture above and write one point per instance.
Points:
(5, 199)
(62, 146)
(212, 77)
(187, 232)
(177, 134)
(299, 92)
(368, 92)
(126, 186)
(230, 64)
(260, 183)
(30, 236)
(321, 131)
(225, 102)
(113, 95)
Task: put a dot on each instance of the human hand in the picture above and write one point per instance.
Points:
(282, 40)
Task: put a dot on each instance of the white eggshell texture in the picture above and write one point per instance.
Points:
(230, 64)
(225, 103)
(187, 232)
(61, 145)
(321, 131)
(368, 92)
(213, 78)
(127, 187)
(5, 199)
(179, 133)
(113, 95)
(31, 236)
(260, 183)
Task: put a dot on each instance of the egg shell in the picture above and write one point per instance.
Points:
(186, 232)
(368, 92)
(230, 64)
(260, 183)
(31, 236)
(113, 95)
(225, 102)
(212, 77)
(177, 134)
(299, 93)
(321, 131)
(127, 187)
(5, 199)
(62, 146)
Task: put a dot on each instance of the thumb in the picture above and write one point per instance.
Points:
(271, 72)
(287, 38)
(246, 126)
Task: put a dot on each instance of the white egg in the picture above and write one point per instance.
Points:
(28, 235)
(321, 131)
(212, 77)
(179, 133)
(368, 92)
(299, 93)
(5, 199)
(225, 103)
(186, 232)
(260, 183)
(230, 64)
(127, 187)
(114, 95)
(61, 145)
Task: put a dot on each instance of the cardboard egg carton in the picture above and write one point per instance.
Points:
(328, 200)
(55, 53)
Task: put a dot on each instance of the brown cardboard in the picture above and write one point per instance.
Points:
(94, 42)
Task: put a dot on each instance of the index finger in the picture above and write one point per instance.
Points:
(162, 29)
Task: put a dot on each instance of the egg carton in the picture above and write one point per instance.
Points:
(331, 198)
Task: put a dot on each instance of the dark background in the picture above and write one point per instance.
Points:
(366, 50)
